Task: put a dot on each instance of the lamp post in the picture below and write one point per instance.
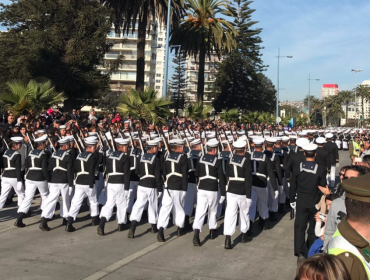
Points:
(309, 92)
(164, 93)
(278, 81)
(356, 71)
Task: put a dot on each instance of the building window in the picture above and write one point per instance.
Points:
(160, 39)
(157, 81)
(158, 75)
(158, 87)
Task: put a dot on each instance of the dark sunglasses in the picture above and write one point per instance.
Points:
(345, 177)
(341, 174)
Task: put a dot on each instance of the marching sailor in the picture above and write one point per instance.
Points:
(12, 175)
(118, 184)
(61, 168)
(238, 194)
(37, 177)
(210, 179)
(150, 186)
(135, 155)
(85, 167)
(175, 170)
(334, 157)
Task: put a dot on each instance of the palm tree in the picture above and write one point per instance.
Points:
(199, 111)
(363, 93)
(203, 33)
(346, 96)
(230, 115)
(126, 13)
(33, 97)
(334, 110)
(145, 106)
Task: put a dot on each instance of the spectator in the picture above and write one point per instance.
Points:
(323, 267)
(366, 161)
(92, 116)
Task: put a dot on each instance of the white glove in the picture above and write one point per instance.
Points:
(222, 199)
(276, 195)
(19, 186)
(337, 165)
(293, 205)
(91, 192)
(159, 195)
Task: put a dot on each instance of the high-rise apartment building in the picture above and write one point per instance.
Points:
(160, 61)
(329, 90)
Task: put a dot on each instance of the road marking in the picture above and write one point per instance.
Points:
(126, 260)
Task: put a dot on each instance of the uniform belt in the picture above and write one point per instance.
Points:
(237, 179)
(59, 168)
(259, 174)
(81, 173)
(207, 177)
(169, 175)
(147, 176)
(115, 173)
(35, 168)
(9, 168)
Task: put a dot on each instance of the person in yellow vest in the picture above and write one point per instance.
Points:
(355, 148)
(351, 240)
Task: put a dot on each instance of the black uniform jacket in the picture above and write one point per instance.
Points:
(37, 166)
(118, 169)
(175, 170)
(192, 164)
(240, 182)
(333, 152)
(275, 159)
(322, 158)
(61, 167)
(85, 167)
(261, 169)
(13, 169)
(149, 171)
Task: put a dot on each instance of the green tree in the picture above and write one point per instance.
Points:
(346, 96)
(334, 111)
(128, 15)
(316, 105)
(203, 33)
(33, 97)
(238, 80)
(363, 93)
(230, 115)
(178, 83)
(62, 41)
(199, 111)
(145, 105)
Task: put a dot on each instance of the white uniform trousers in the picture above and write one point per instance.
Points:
(55, 189)
(190, 198)
(206, 200)
(173, 201)
(235, 202)
(145, 195)
(345, 145)
(133, 194)
(273, 202)
(31, 187)
(116, 195)
(260, 200)
(7, 184)
(80, 192)
(332, 176)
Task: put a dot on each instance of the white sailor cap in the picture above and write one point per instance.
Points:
(63, 141)
(293, 137)
(288, 133)
(134, 133)
(230, 138)
(159, 139)
(285, 139)
(126, 122)
(195, 142)
(213, 143)
(108, 135)
(281, 133)
(240, 133)
(320, 140)
(70, 138)
(302, 133)
(302, 142)
(143, 139)
(196, 132)
(271, 140)
(178, 142)
(153, 135)
(211, 135)
(17, 139)
(40, 131)
(239, 144)
(91, 140)
(41, 139)
(243, 138)
(250, 133)
(258, 133)
(62, 127)
(278, 139)
(258, 140)
(121, 141)
(329, 135)
(93, 133)
(190, 138)
(152, 143)
(310, 147)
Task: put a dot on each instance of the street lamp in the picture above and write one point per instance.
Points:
(309, 92)
(356, 71)
(278, 80)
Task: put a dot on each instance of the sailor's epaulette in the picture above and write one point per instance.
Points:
(269, 154)
(116, 155)
(36, 153)
(10, 153)
(278, 151)
(186, 150)
(174, 157)
(60, 154)
(208, 159)
(259, 156)
(309, 166)
(148, 158)
(195, 154)
(224, 155)
(84, 156)
(237, 160)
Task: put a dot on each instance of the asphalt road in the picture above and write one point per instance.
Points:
(29, 253)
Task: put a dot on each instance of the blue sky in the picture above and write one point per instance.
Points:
(326, 38)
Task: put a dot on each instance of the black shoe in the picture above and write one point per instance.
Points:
(69, 226)
(160, 235)
(19, 222)
(246, 238)
(228, 242)
(154, 228)
(249, 232)
(101, 226)
(300, 260)
(262, 223)
(28, 214)
(44, 225)
(64, 222)
(122, 227)
(95, 221)
(180, 231)
(212, 233)
(273, 217)
(281, 208)
(196, 240)
(131, 233)
(187, 225)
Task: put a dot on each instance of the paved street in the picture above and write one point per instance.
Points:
(29, 253)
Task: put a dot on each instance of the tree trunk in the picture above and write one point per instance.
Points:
(202, 62)
(346, 112)
(140, 63)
